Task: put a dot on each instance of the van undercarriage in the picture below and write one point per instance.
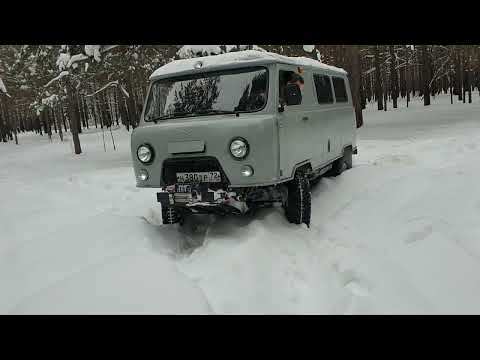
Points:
(201, 199)
(181, 199)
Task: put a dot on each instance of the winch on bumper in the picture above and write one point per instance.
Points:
(199, 198)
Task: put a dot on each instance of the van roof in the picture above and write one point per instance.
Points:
(234, 59)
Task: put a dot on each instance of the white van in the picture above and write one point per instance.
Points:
(232, 132)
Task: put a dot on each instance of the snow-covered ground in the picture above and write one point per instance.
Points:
(398, 233)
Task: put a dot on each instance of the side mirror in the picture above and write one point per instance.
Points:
(293, 95)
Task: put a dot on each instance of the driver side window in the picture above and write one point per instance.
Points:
(284, 77)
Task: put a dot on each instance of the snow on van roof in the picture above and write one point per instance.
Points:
(245, 56)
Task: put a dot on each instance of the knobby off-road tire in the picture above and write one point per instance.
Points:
(298, 206)
(342, 164)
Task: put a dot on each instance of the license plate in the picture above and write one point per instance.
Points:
(199, 177)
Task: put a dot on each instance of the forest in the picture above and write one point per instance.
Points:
(63, 89)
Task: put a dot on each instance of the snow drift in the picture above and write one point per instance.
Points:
(398, 233)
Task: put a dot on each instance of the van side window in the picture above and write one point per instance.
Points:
(340, 89)
(284, 78)
(324, 89)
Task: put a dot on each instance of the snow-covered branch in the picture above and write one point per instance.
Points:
(93, 50)
(3, 88)
(75, 58)
(51, 100)
(309, 48)
(63, 60)
(437, 72)
(112, 83)
(61, 75)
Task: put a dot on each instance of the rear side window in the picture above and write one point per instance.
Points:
(324, 89)
(340, 89)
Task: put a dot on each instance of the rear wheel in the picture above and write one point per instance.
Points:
(342, 164)
(298, 204)
(315, 181)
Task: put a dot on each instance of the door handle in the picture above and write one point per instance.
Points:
(305, 118)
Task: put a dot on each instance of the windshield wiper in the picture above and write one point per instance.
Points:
(215, 111)
(170, 116)
(193, 113)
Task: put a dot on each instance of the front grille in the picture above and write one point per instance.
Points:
(182, 198)
(197, 164)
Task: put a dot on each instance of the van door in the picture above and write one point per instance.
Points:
(323, 118)
(294, 127)
(342, 121)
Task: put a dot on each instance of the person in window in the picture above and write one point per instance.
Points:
(297, 79)
(294, 79)
(258, 100)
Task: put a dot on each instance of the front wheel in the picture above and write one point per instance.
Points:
(298, 205)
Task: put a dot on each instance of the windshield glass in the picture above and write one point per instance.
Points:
(241, 90)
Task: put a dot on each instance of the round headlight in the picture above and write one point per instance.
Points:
(142, 175)
(239, 148)
(247, 171)
(145, 154)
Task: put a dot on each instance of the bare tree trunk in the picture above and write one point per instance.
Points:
(407, 76)
(378, 86)
(419, 73)
(57, 118)
(354, 76)
(131, 104)
(402, 75)
(469, 84)
(94, 112)
(115, 106)
(39, 125)
(15, 125)
(10, 119)
(76, 109)
(431, 81)
(122, 109)
(52, 114)
(426, 88)
(48, 122)
(2, 129)
(393, 77)
(478, 71)
(3, 123)
(457, 90)
(105, 111)
(3, 134)
(74, 120)
(62, 112)
(84, 115)
(451, 90)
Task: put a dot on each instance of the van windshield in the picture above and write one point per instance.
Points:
(232, 91)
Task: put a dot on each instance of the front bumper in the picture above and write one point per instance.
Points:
(201, 199)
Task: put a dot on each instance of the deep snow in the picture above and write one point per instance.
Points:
(398, 233)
